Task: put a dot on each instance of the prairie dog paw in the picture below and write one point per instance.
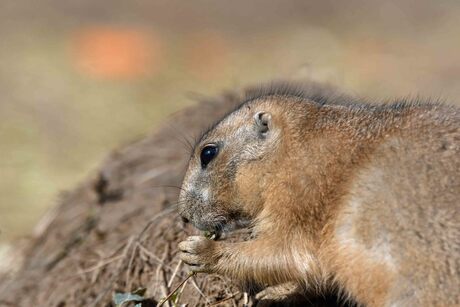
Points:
(279, 292)
(199, 253)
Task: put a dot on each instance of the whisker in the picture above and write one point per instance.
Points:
(168, 186)
(184, 139)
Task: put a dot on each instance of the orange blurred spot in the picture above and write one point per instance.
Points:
(115, 53)
(206, 54)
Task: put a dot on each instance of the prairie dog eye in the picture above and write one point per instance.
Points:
(208, 153)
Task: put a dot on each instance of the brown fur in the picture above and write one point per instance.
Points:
(340, 193)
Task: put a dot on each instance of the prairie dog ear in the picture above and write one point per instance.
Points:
(263, 122)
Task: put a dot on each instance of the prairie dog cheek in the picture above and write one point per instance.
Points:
(205, 195)
(249, 191)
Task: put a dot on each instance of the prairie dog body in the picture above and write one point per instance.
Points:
(339, 193)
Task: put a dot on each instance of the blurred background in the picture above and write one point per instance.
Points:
(78, 78)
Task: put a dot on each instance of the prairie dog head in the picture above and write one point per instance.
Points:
(229, 168)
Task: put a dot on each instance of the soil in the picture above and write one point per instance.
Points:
(118, 231)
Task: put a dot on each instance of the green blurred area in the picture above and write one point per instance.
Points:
(59, 117)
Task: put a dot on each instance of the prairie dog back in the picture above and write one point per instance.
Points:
(403, 210)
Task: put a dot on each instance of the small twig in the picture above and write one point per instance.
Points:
(152, 220)
(114, 277)
(161, 274)
(151, 174)
(174, 273)
(154, 257)
(123, 264)
(175, 289)
(245, 299)
(130, 265)
(101, 264)
(224, 300)
(199, 290)
(226, 289)
(179, 293)
(163, 271)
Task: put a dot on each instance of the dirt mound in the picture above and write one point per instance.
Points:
(118, 231)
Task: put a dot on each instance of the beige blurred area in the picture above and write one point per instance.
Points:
(78, 78)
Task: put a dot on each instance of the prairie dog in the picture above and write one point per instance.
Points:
(338, 192)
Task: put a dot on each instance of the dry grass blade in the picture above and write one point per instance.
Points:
(163, 301)
(154, 219)
(103, 293)
(245, 299)
(174, 273)
(123, 263)
(155, 258)
(224, 300)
